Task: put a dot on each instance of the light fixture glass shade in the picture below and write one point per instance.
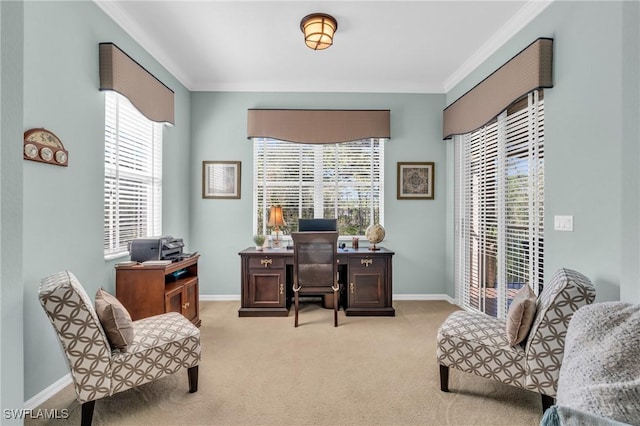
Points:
(318, 29)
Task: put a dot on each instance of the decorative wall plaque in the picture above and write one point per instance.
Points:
(43, 146)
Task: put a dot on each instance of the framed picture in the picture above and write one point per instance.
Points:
(415, 181)
(221, 179)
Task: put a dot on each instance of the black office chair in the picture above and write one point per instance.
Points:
(315, 267)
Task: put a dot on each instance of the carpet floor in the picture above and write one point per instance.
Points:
(263, 371)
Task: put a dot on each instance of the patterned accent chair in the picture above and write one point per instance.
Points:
(162, 344)
(477, 343)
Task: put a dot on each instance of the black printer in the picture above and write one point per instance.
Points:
(156, 248)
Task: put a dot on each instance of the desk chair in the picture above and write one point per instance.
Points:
(315, 267)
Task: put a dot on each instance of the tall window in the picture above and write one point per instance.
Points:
(343, 181)
(132, 175)
(499, 215)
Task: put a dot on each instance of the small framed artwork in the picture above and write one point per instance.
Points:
(221, 179)
(415, 181)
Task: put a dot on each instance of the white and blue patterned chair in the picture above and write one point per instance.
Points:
(162, 345)
(477, 343)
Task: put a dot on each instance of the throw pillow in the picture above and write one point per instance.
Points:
(115, 320)
(520, 315)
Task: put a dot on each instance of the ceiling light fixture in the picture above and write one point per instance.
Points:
(318, 29)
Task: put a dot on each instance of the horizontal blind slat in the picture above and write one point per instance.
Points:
(133, 175)
(499, 186)
(347, 177)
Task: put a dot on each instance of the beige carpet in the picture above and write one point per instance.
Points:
(263, 371)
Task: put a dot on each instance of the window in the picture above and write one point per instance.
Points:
(132, 175)
(343, 181)
(499, 215)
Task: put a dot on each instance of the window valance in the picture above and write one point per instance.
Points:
(121, 73)
(529, 70)
(318, 126)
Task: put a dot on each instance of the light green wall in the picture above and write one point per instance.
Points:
(11, 296)
(591, 149)
(630, 279)
(415, 229)
(63, 206)
(585, 142)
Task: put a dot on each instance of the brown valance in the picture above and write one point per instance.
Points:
(119, 72)
(529, 70)
(318, 126)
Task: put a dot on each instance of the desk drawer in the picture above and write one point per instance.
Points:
(271, 262)
(368, 262)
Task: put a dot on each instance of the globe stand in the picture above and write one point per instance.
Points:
(374, 234)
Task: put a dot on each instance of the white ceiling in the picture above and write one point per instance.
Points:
(381, 46)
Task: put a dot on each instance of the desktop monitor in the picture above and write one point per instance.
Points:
(314, 225)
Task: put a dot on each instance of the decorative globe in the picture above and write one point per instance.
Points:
(375, 234)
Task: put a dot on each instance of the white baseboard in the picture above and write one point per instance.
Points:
(445, 297)
(48, 392)
(219, 297)
(236, 297)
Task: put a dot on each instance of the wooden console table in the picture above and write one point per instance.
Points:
(267, 282)
(147, 290)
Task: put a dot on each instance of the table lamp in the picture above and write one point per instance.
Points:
(276, 220)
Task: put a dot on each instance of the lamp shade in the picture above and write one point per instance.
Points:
(276, 219)
(318, 29)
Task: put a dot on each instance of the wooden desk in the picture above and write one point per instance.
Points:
(267, 282)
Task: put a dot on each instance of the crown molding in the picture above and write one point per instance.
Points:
(114, 11)
(525, 15)
(326, 87)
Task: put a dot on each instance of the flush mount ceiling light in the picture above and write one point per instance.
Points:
(318, 29)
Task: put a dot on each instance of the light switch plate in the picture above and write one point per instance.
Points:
(563, 223)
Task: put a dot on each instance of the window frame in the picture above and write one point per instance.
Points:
(132, 176)
(492, 219)
(316, 156)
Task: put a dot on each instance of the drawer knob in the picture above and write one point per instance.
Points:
(186, 305)
(366, 262)
(266, 262)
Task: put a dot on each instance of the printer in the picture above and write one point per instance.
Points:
(156, 248)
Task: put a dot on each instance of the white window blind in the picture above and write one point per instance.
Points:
(499, 215)
(133, 175)
(343, 181)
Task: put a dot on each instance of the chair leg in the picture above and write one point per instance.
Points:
(547, 401)
(296, 308)
(335, 308)
(193, 379)
(87, 413)
(444, 378)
